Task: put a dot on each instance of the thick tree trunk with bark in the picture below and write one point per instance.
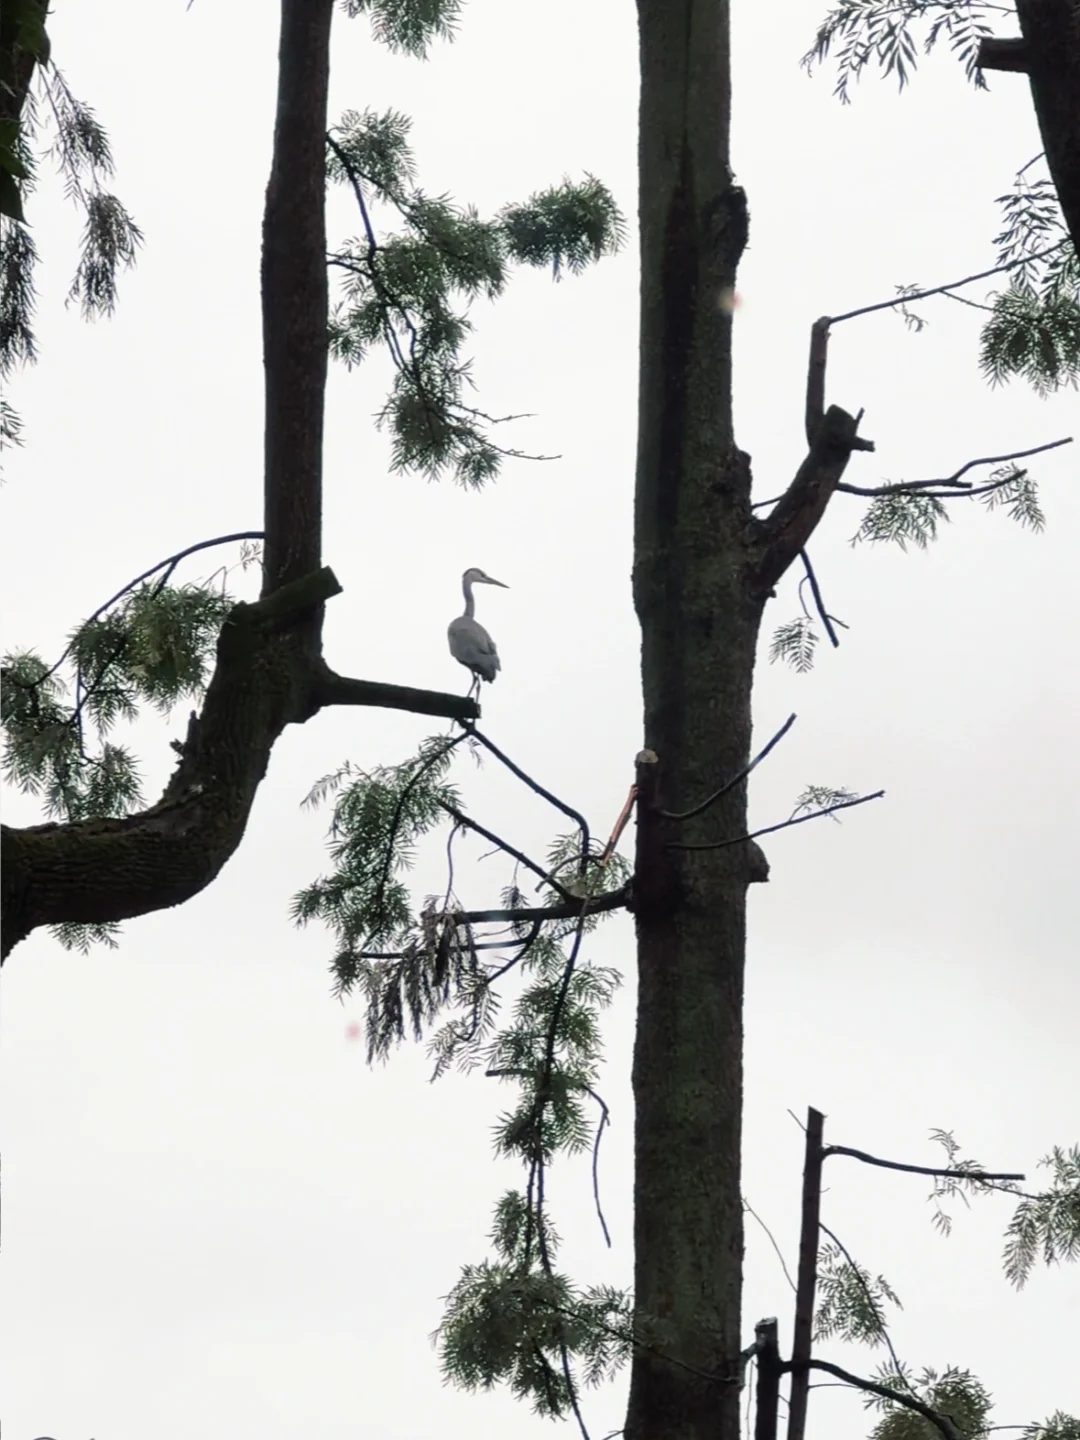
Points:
(270, 672)
(703, 570)
(699, 617)
(1049, 55)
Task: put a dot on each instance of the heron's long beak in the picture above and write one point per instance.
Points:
(487, 580)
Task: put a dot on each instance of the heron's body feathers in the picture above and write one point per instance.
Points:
(471, 644)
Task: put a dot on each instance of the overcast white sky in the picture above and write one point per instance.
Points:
(219, 1222)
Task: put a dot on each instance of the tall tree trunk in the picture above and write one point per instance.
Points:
(1048, 53)
(700, 609)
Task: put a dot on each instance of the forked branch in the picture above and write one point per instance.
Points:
(788, 529)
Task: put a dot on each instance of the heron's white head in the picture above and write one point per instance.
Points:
(477, 577)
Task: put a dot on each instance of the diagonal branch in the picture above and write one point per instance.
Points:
(788, 529)
(534, 785)
(910, 1402)
(729, 785)
(908, 298)
(819, 602)
(783, 825)
(519, 855)
(875, 1308)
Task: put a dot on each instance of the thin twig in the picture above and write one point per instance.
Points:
(169, 564)
(883, 1328)
(784, 824)
(951, 482)
(943, 289)
(519, 855)
(605, 1119)
(620, 826)
(815, 590)
(575, 815)
(772, 1241)
(729, 785)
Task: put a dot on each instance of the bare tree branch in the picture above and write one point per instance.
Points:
(909, 298)
(910, 1402)
(815, 377)
(519, 855)
(954, 1173)
(783, 825)
(333, 689)
(819, 603)
(953, 481)
(534, 785)
(996, 53)
(729, 785)
(786, 531)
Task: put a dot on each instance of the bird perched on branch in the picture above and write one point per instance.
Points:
(470, 643)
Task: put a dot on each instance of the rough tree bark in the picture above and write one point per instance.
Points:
(1048, 53)
(703, 569)
(270, 672)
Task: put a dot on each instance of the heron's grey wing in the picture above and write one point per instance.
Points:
(473, 646)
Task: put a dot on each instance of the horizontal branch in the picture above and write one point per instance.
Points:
(953, 481)
(998, 54)
(871, 1387)
(783, 825)
(334, 689)
(570, 910)
(954, 1173)
(786, 531)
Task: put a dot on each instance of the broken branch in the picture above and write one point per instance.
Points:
(789, 527)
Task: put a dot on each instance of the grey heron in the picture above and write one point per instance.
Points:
(470, 643)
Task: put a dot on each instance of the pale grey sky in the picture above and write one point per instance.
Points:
(218, 1221)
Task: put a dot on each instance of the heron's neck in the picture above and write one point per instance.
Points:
(470, 604)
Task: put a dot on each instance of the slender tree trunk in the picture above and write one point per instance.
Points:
(699, 611)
